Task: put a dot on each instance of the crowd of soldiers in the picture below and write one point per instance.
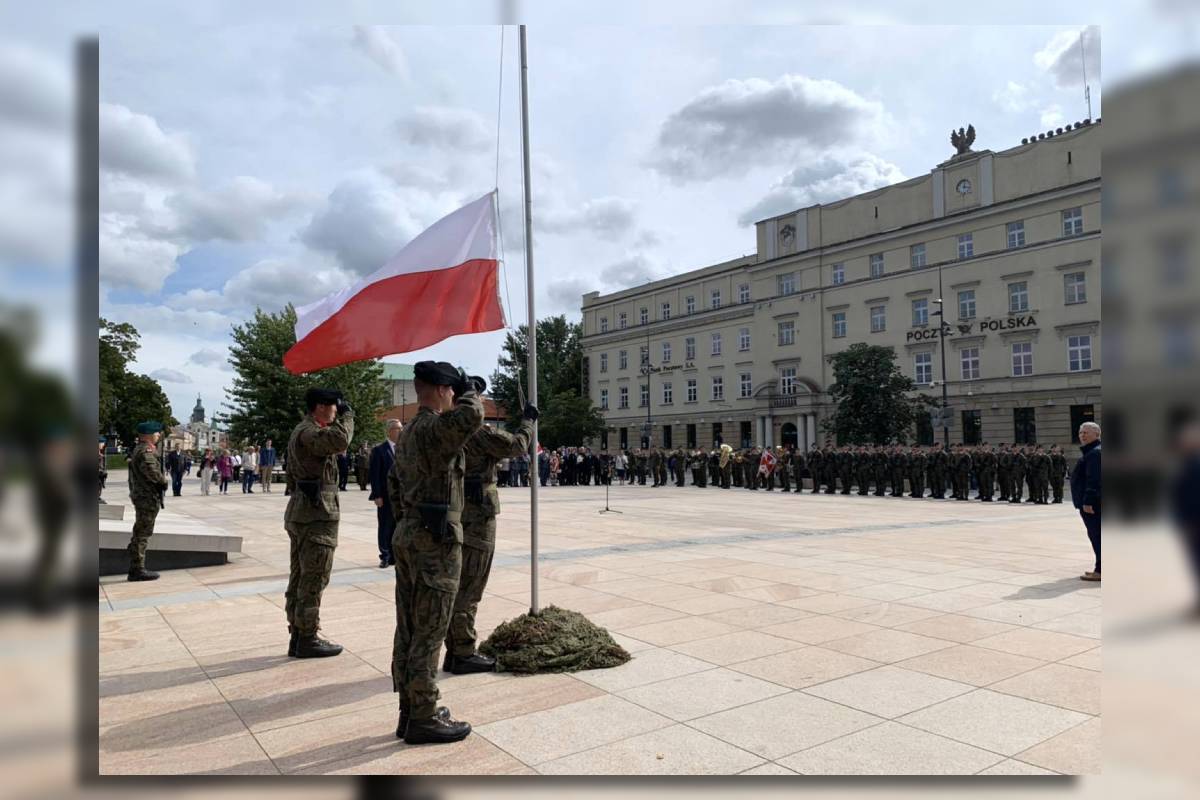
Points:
(999, 473)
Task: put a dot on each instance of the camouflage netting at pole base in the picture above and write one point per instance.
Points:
(556, 640)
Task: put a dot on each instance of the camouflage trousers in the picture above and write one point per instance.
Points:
(916, 483)
(962, 484)
(311, 560)
(427, 573)
(479, 545)
(143, 529)
(986, 480)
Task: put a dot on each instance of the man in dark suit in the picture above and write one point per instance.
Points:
(1085, 489)
(382, 457)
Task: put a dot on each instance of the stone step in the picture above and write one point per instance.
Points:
(112, 511)
(178, 542)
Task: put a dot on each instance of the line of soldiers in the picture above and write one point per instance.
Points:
(997, 472)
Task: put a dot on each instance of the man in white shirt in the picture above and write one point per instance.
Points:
(249, 469)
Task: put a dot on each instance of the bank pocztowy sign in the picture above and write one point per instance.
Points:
(964, 328)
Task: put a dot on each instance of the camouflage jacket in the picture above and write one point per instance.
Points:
(917, 462)
(937, 461)
(960, 463)
(312, 456)
(431, 463)
(484, 450)
(1039, 465)
(1058, 465)
(146, 479)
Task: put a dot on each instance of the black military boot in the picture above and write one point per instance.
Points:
(467, 665)
(295, 637)
(142, 574)
(436, 730)
(402, 726)
(315, 647)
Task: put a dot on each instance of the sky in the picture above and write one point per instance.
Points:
(256, 165)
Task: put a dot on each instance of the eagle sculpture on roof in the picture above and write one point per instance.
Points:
(962, 140)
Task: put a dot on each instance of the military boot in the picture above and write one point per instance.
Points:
(142, 574)
(295, 637)
(436, 730)
(315, 647)
(467, 665)
(402, 726)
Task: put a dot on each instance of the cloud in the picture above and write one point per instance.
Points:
(170, 376)
(831, 178)
(273, 283)
(374, 42)
(131, 259)
(1064, 61)
(197, 299)
(1052, 116)
(211, 358)
(1013, 97)
(236, 212)
(35, 90)
(455, 129)
(603, 216)
(741, 124)
(633, 270)
(133, 144)
(566, 295)
(149, 318)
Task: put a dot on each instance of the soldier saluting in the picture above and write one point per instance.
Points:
(146, 486)
(312, 515)
(426, 490)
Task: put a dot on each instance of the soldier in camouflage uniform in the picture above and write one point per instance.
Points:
(862, 470)
(1058, 471)
(312, 515)
(897, 466)
(937, 467)
(845, 465)
(714, 468)
(917, 462)
(798, 464)
(816, 467)
(1039, 468)
(783, 468)
(984, 460)
(1003, 472)
(481, 504)
(960, 465)
(1017, 475)
(880, 468)
(750, 469)
(426, 490)
(147, 483)
(736, 473)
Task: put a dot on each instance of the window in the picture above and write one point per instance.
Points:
(924, 429)
(667, 436)
(923, 367)
(668, 395)
(604, 362)
(604, 399)
(972, 422)
(1016, 233)
(691, 436)
(622, 359)
(786, 284)
(622, 320)
(920, 311)
(966, 245)
(666, 352)
(689, 348)
(716, 344)
(690, 304)
(644, 316)
(744, 293)
(1024, 425)
(1072, 220)
(1075, 287)
(839, 274)
(1079, 353)
(743, 339)
(787, 332)
(1018, 297)
(644, 355)
(966, 304)
(644, 399)
(744, 434)
(744, 385)
(969, 357)
(1022, 359)
(717, 438)
(878, 319)
(666, 311)
(623, 437)
(604, 324)
(604, 439)
(718, 387)
(839, 324)
(876, 264)
(787, 380)
(691, 390)
(1079, 415)
(714, 299)
(916, 255)
(623, 397)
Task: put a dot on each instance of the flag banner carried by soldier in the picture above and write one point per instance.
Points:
(449, 273)
(766, 464)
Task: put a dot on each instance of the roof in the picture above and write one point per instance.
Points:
(492, 411)
(397, 372)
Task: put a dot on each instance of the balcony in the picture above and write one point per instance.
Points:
(784, 400)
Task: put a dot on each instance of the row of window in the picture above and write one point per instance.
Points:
(691, 387)
(1079, 359)
(1072, 225)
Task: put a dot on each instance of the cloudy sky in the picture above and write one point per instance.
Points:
(255, 166)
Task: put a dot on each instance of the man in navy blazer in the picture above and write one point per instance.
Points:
(382, 457)
(1085, 489)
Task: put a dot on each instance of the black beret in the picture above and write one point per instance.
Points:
(436, 373)
(321, 397)
(480, 384)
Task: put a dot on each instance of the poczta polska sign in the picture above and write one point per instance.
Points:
(964, 328)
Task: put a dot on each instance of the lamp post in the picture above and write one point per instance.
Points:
(646, 370)
(943, 327)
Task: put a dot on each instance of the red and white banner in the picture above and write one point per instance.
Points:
(766, 464)
(443, 283)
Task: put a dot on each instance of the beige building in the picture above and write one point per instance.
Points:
(1010, 240)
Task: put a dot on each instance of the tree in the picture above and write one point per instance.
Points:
(127, 398)
(568, 416)
(872, 397)
(266, 401)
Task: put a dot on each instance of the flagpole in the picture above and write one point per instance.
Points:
(531, 372)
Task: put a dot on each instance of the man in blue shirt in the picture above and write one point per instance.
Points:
(266, 464)
(1085, 489)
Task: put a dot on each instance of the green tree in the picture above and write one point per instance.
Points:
(266, 401)
(568, 416)
(874, 402)
(127, 398)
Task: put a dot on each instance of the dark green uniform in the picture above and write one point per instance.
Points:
(362, 465)
(937, 468)
(917, 462)
(985, 473)
(798, 464)
(960, 465)
(817, 459)
(1016, 476)
(146, 486)
(1058, 471)
(897, 466)
(880, 468)
(428, 472)
(1039, 468)
(845, 467)
(1004, 473)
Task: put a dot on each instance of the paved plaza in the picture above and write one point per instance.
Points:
(772, 634)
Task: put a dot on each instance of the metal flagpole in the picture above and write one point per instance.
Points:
(531, 372)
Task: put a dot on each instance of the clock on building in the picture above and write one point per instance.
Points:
(963, 187)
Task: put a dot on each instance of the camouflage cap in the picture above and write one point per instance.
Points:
(436, 373)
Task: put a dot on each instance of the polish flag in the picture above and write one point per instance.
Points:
(443, 283)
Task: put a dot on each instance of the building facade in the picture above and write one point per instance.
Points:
(737, 351)
(399, 381)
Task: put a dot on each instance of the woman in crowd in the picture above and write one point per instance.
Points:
(225, 470)
(555, 466)
(207, 462)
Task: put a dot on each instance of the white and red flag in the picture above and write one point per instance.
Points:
(443, 283)
(766, 464)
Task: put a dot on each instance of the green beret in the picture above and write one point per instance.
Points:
(149, 426)
(437, 373)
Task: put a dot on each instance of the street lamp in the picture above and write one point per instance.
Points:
(645, 371)
(943, 328)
